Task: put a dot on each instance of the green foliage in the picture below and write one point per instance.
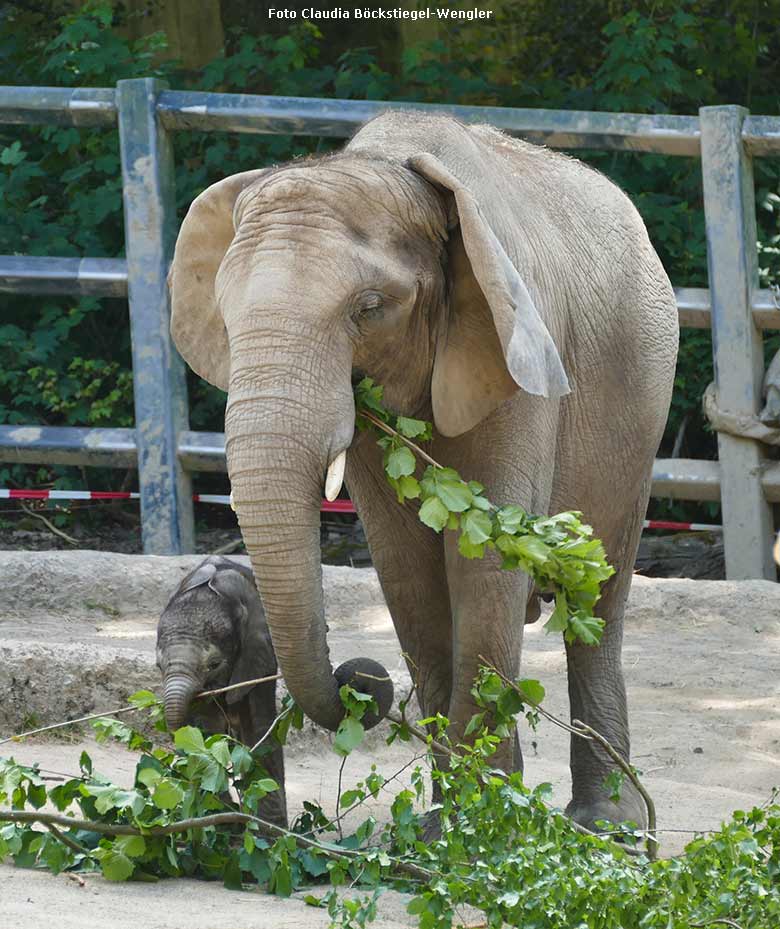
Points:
(502, 849)
(556, 551)
(188, 782)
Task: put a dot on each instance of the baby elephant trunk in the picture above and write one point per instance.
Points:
(177, 696)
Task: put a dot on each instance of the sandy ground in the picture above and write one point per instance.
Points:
(701, 661)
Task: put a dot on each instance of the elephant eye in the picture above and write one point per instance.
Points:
(213, 663)
(370, 306)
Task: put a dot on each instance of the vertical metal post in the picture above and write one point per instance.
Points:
(159, 380)
(729, 206)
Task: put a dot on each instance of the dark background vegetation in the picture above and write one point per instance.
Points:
(67, 361)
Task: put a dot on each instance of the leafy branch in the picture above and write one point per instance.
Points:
(192, 811)
(532, 692)
(558, 552)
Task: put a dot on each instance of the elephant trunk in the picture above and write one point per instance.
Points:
(178, 691)
(282, 431)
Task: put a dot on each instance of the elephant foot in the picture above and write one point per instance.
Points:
(630, 808)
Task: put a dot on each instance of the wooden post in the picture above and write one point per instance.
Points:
(729, 206)
(159, 379)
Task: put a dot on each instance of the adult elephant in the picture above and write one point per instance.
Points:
(507, 292)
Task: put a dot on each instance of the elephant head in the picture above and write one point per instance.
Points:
(390, 259)
(212, 633)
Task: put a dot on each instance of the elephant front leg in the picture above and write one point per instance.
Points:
(257, 713)
(409, 561)
(597, 696)
(273, 807)
(488, 607)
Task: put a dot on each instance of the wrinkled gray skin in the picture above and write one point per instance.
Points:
(213, 633)
(508, 292)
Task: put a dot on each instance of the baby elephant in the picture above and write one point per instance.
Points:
(213, 633)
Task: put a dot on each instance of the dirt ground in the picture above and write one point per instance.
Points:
(76, 635)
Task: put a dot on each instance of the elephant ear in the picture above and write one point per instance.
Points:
(478, 365)
(205, 236)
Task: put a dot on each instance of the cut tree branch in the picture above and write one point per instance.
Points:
(202, 822)
(423, 736)
(49, 525)
(627, 769)
(394, 432)
(579, 728)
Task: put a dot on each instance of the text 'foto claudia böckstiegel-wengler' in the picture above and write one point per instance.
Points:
(365, 13)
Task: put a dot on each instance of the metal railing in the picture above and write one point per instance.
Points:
(166, 452)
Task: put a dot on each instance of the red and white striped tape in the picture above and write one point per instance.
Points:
(335, 506)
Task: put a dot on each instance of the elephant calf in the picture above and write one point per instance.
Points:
(213, 633)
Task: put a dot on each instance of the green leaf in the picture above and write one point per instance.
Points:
(351, 796)
(481, 503)
(434, 513)
(468, 549)
(348, 735)
(268, 784)
(311, 900)
(219, 750)
(110, 797)
(114, 864)
(585, 629)
(13, 154)
(477, 525)
(210, 775)
(240, 760)
(508, 898)
(613, 782)
(400, 462)
(143, 699)
(526, 547)
(408, 488)
(455, 495)
(131, 845)
(85, 763)
(369, 396)
(64, 794)
(256, 864)
(148, 776)
(411, 428)
(532, 690)
(315, 863)
(281, 880)
(189, 739)
(167, 794)
(54, 855)
(559, 619)
(231, 876)
(36, 795)
(511, 518)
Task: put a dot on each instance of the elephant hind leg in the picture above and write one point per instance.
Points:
(597, 694)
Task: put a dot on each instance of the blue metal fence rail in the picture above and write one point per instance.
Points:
(166, 451)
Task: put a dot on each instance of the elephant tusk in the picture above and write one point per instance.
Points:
(335, 476)
(232, 503)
